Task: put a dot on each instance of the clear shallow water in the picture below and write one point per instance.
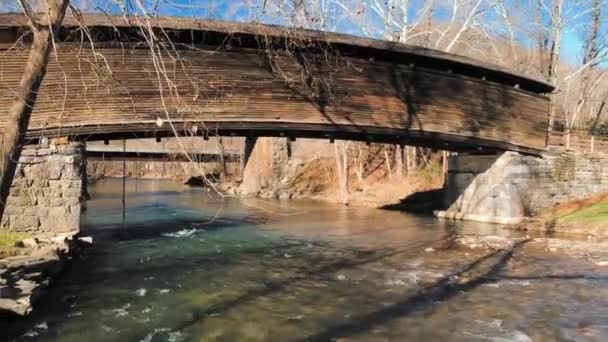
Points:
(186, 266)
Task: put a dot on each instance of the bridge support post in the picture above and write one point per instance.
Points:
(265, 161)
(48, 190)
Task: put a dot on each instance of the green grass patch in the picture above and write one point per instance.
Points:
(594, 214)
(8, 240)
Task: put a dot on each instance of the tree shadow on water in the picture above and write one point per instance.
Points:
(274, 287)
(426, 298)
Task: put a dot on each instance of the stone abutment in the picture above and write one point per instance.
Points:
(506, 188)
(48, 190)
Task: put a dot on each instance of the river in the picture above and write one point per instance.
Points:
(181, 264)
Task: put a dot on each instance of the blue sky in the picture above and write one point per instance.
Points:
(243, 10)
(573, 45)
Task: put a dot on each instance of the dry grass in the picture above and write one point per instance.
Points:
(317, 178)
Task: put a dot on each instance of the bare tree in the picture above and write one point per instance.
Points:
(341, 155)
(42, 26)
(593, 52)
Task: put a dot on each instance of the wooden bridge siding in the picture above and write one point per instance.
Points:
(235, 86)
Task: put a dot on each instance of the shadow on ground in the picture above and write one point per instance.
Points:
(423, 202)
(486, 269)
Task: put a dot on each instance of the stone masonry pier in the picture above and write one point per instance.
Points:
(47, 191)
(508, 187)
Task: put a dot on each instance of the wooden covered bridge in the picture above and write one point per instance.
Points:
(124, 77)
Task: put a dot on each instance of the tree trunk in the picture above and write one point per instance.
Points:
(387, 159)
(359, 166)
(554, 53)
(399, 160)
(410, 152)
(591, 51)
(21, 109)
(444, 166)
(220, 147)
(341, 153)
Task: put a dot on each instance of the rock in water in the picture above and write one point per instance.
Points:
(200, 181)
(85, 240)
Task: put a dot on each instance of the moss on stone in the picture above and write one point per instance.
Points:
(8, 239)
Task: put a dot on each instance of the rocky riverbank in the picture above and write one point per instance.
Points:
(592, 249)
(39, 260)
(586, 217)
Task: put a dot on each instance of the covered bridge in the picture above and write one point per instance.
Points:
(124, 77)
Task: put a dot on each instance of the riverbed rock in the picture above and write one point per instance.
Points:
(27, 243)
(21, 306)
(86, 240)
(285, 195)
(486, 242)
(23, 278)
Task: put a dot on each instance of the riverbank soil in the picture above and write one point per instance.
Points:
(375, 180)
(588, 216)
(379, 188)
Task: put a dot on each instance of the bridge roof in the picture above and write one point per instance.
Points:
(356, 46)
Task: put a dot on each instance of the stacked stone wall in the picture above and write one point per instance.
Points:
(47, 190)
(508, 187)
(562, 178)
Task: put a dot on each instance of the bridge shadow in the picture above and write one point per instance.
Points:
(489, 267)
(440, 108)
(440, 102)
(422, 202)
(323, 272)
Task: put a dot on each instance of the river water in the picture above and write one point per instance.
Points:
(180, 264)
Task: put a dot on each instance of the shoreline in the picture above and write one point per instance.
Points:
(24, 278)
(424, 203)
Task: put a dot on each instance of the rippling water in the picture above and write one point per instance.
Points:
(181, 265)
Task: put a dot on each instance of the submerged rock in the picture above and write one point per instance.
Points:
(24, 277)
(486, 242)
(203, 181)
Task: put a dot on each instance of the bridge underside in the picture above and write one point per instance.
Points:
(451, 142)
(235, 88)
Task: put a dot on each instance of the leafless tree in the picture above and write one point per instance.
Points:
(594, 51)
(44, 18)
(342, 167)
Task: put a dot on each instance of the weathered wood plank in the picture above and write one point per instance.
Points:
(239, 30)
